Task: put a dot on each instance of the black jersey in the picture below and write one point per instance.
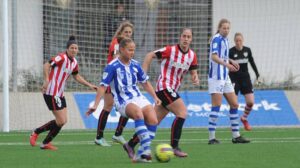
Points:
(242, 57)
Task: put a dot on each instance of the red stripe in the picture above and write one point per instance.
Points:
(172, 131)
(174, 68)
(167, 96)
(53, 103)
(68, 64)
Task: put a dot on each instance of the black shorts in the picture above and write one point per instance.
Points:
(243, 85)
(167, 96)
(55, 102)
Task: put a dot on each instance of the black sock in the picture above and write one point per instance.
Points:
(134, 141)
(52, 134)
(122, 123)
(46, 127)
(102, 123)
(176, 131)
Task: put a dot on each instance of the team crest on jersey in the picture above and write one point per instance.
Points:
(235, 55)
(246, 54)
(57, 58)
(215, 45)
(104, 75)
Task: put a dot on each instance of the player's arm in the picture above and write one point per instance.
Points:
(46, 71)
(194, 77)
(148, 87)
(253, 65)
(232, 66)
(147, 61)
(81, 80)
(100, 93)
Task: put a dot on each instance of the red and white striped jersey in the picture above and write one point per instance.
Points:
(174, 64)
(113, 49)
(61, 68)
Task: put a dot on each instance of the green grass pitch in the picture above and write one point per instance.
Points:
(269, 148)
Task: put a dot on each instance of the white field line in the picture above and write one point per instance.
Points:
(185, 141)
(128, 132)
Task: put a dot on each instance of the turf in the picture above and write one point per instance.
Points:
(269, 148)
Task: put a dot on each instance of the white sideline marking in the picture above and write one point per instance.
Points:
(185, 141)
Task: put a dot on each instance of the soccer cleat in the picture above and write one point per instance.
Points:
(142, 159)
(246, 124)
(33, 137)
(48, 146)
(102, 142)
(240, 139)
(129, 150)
(177, 152)
(119, 139)
(213, 142)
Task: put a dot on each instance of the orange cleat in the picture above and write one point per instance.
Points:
(33, 137)
(48, 146)
(247, 126)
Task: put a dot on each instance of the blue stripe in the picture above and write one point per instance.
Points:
(233, 111)
(211, 129)
(234, 118)
(210, 123)
(234, 125)
(215, 108)
(213, 116)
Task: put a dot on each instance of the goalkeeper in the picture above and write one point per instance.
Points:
(241, 78)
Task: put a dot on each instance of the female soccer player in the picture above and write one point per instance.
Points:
(122, 75)
(56, 73)
(176, 61)
(241, 79)
(125, 30)
(219, 83)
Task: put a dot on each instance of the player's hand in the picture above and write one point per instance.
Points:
(233, 66)
(195, 80)
(259, 81)
(94, 87)
(44, 87)
(90, 111)
(157, 101)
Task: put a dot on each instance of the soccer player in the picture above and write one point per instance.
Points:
(56, 73)
(219, 83)
(123, 74)
(241, 79)
(176, 61)
(124, 30)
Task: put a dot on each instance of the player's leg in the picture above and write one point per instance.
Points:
(108, 104)
(234, 118)
(216, 101)
(133, 111)
(60, 121)
(119, 130)
(247, 91)
(179, 109)
(216, 89)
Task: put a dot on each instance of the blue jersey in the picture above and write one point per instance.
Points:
(123, 79)
(219, 45)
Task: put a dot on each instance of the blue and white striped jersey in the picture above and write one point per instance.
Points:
(220, 46)
(123, 79)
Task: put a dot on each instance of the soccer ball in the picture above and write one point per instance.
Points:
(164, 152)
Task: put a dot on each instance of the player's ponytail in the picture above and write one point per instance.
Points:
(72, 40)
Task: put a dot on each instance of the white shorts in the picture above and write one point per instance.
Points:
(140, 101)
(220, 86)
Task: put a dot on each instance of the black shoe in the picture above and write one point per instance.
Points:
(240, 139)
(213, 142)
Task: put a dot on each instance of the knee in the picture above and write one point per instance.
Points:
(182, 114)
(234, 106)
(61, 123)
(250, 104)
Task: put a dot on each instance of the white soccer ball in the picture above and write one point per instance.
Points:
(164, 152)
